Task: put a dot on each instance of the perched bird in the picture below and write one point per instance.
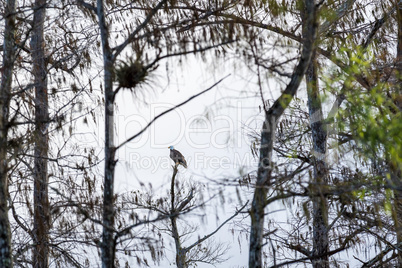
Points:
(177, 157)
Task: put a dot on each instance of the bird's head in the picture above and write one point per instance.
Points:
(171, 147)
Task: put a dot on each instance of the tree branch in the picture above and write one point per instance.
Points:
(380, 255)
(199, 241)
(341, 96)
(168, 111)
(131, 37)
(340, 12)
(86, 5)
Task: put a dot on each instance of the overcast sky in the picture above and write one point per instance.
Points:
(211, 132)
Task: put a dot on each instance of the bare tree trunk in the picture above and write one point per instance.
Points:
(258, 204)
(108, 245)
(5, 96)
(180, 252)
(319, 137)
(41, 200)
(257, 211)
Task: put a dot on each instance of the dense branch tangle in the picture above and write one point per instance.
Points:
(146, 34)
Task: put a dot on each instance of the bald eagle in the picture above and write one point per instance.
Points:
(177, 157)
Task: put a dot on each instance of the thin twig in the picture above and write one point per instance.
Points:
(168, 111)
(199, 241)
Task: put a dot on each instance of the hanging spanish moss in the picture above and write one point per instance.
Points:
(131, 74)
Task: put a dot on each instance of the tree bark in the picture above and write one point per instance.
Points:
(258, 204)
(108, 242)
(319, 180)
(180, 252)
(41, 199)
(5, 97)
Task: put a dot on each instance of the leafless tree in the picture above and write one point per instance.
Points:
(5, 96)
